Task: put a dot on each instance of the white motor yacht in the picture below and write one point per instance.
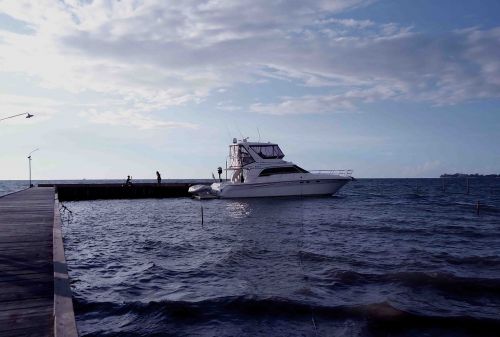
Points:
(258, 170)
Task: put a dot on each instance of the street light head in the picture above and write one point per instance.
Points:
(29, 154)
(28, 115)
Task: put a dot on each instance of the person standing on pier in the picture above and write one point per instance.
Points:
(158, 177)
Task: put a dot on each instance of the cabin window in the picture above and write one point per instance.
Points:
(245, 157)
(282, 170)
(268, 151)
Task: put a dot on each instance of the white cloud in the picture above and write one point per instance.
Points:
(305, 105)
(334, 103)
(351, 23)
(132, 119)
(154, 55)
(228, 106)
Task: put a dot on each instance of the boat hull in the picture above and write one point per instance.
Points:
(280, 189)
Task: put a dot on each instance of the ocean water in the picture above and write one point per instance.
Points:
(385, 257)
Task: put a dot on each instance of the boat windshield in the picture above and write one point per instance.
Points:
(239, 156)
(268, 151)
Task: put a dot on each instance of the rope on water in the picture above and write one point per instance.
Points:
(301, 262)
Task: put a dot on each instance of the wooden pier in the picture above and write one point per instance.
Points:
(35, 297)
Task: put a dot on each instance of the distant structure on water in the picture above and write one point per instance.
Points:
(464, 175)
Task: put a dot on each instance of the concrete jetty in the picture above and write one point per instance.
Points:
(75, 192)
(35, 297)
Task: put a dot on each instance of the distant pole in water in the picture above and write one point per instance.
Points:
(467, 182)
(202, 215)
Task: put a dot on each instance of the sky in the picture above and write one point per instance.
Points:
(394, 88)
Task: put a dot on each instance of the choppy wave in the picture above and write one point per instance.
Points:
(374, 316)
(447, 282)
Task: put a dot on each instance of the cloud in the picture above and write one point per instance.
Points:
(351, 23)
(454, 68)
(155, 55)
(305, 105)
(333, 103)
(228, 106)
(132, 119)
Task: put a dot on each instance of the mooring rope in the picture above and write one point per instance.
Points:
(301, 262)
(66, 213)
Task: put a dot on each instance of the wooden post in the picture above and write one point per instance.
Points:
(202, 215)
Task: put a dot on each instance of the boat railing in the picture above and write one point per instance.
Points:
(342, 173)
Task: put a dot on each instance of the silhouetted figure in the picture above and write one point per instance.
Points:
(158, 177)
(129, 181)
(219, 171)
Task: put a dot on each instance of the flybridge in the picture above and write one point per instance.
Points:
(245, 153)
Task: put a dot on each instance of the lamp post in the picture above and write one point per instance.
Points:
(28, 115)
(29, 164)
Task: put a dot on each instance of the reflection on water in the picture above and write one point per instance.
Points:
(238, 209)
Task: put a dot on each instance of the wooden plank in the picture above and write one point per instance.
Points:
(24, 243)
(33, 263)
(16, 313)
(35, 249)
(40, 291)
(34, 252)
(20, 271)
(25, 303)
(39, 320)
(20, 238)
(28, 331)
(41, 265)
(26, 277)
